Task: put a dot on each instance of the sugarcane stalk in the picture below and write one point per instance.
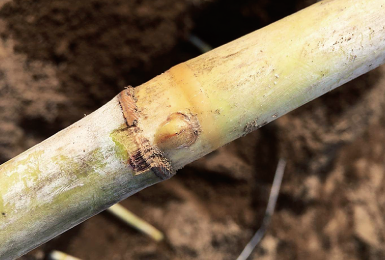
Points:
(145, 134)
(131, 219)
(58, 255)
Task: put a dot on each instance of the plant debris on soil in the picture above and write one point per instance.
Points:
(61, 59)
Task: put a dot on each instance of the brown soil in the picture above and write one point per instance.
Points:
(61, 59)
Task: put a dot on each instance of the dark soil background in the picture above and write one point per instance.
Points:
(61, 59)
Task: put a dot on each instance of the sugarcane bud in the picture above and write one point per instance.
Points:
(180, 130)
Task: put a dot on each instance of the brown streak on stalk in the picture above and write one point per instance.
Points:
(144, 156)
(128, 104)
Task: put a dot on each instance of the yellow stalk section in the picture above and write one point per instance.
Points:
(144, 135)
(57, 255)
(247, 83)
(134, 221)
